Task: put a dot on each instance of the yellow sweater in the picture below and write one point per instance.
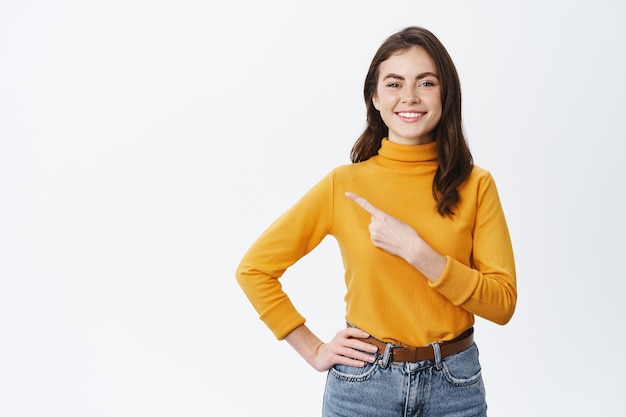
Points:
(386, 296)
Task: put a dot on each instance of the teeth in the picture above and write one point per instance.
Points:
(409, 114)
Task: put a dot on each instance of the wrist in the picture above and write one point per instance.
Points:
(428, 261)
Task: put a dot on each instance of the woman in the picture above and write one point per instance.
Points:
(424, 242)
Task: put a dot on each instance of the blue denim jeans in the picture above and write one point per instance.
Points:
(452, 387)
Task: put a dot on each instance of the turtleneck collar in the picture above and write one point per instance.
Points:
(395, 155)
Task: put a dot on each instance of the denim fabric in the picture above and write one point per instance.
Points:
(453, 389)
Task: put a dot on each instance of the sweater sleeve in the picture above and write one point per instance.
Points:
(487, 287)
(290, 237)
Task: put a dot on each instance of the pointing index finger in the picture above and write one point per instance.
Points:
(366, 205)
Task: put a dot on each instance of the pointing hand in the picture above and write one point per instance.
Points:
(388, 232)
(399, 239)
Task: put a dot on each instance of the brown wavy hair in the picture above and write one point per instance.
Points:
(454, 158)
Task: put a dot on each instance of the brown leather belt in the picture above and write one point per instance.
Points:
(416, 354)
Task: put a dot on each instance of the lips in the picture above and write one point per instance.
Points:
(409, 114)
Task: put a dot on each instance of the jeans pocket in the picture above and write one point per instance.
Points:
(353, 373)
(463, 368)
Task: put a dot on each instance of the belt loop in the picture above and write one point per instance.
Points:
(384, 362)
(437, 351)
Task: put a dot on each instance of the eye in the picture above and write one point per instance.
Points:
(393, 85)
(427, 83)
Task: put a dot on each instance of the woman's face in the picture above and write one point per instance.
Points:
(408, 96)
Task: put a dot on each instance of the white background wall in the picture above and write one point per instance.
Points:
(145, 144)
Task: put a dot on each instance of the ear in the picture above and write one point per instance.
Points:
(376, 101)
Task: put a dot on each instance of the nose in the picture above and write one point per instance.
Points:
(410, 96)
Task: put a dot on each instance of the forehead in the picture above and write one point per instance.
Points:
(413, 60)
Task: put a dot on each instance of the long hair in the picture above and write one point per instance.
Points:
(454, 158)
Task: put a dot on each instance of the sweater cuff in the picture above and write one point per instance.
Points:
(457, 282)
(282, 318)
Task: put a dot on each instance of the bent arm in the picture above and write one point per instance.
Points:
(486, 287)
(284, 242)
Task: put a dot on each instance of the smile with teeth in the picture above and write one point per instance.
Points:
(409, 115)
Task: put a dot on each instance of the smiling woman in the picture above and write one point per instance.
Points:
(424, 242)
(145, 144)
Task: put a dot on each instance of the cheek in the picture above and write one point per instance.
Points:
(386, 105)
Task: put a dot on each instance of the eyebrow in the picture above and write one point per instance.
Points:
(419, 77)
